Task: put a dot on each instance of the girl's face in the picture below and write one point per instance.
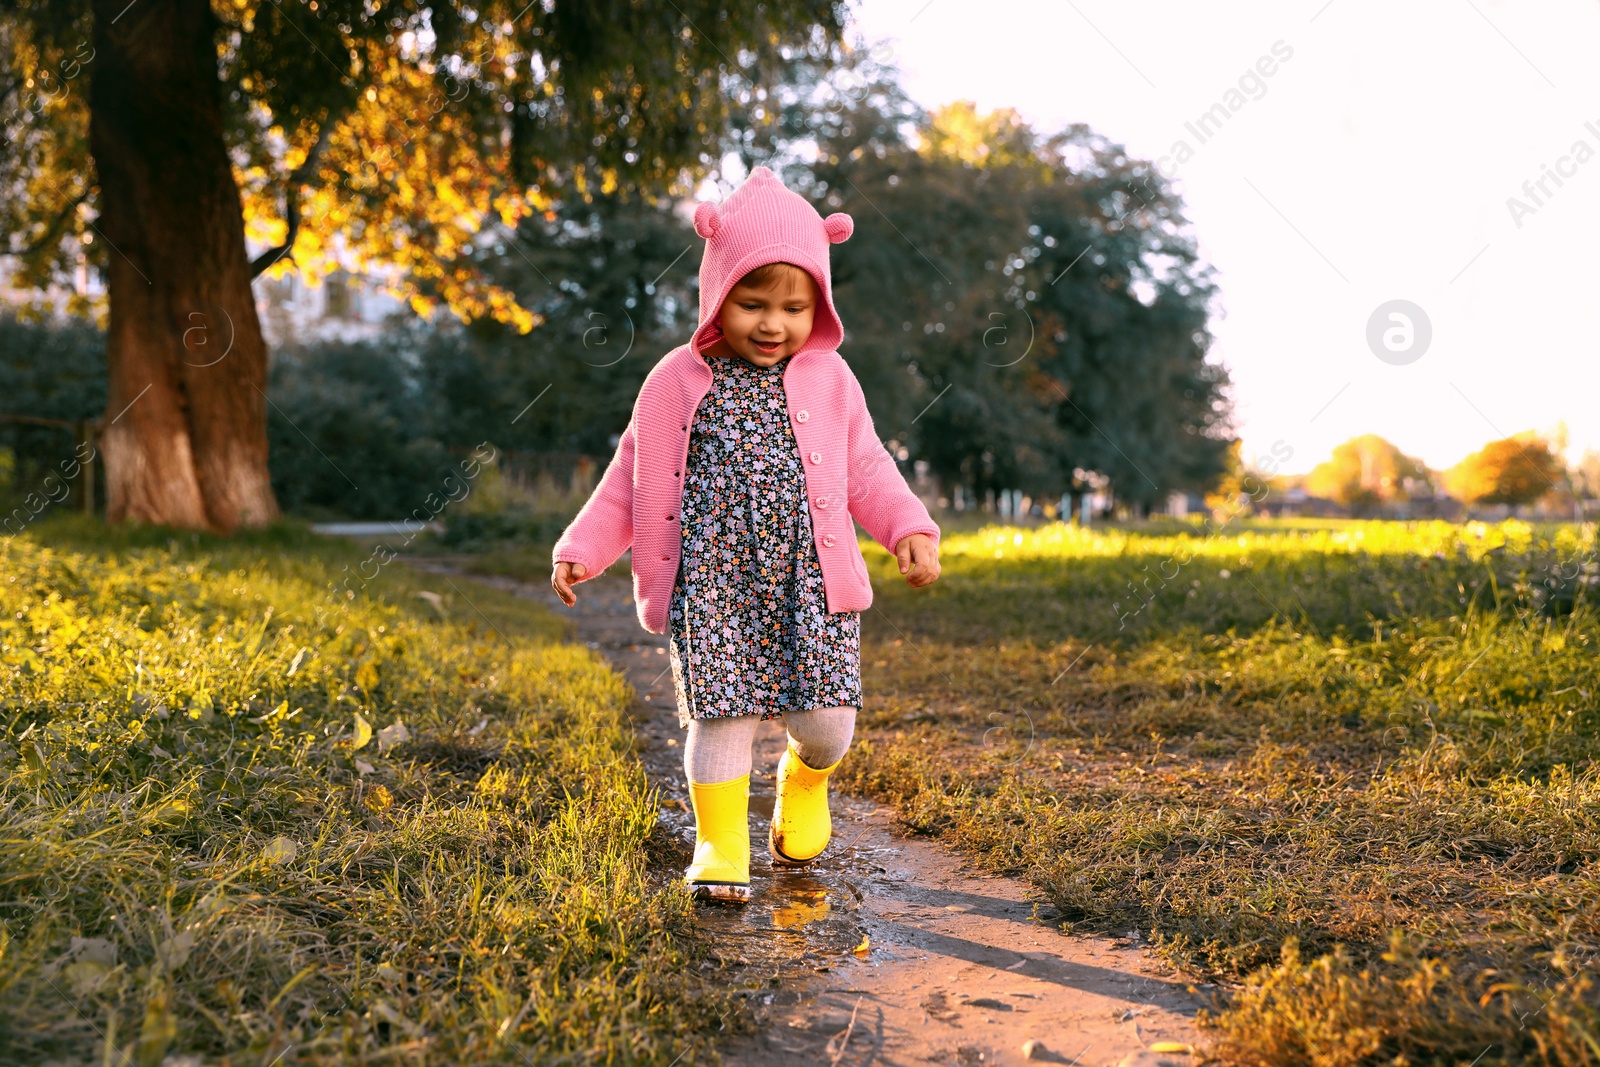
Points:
(768, 322)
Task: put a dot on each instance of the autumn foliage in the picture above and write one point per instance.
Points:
(1514, 470)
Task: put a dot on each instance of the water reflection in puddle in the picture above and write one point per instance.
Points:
(794, 920)
(804, 908)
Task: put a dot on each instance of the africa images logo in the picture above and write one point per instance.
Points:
(1538, 191)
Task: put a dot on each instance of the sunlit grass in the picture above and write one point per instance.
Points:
(255, 808)
(1286, 541)
(1303, 743)
(1120, 584)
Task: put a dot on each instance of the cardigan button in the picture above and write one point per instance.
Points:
(822, 501)
(801, 415)
(827, 541)
(816, 457)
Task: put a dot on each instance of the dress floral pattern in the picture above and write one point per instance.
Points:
(748, 621)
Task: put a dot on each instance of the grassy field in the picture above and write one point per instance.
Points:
(269, 801)
(1349, 770)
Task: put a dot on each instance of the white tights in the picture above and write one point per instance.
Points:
(718, 750)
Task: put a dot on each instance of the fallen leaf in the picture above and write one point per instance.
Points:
(363, 767)
(280, 850)
(93, 949)
(173, 811)
(363, 734)
(85, 976)
(863, 948)
(174, 951)
(1172, 1046)
(378, 799)
(393, 734)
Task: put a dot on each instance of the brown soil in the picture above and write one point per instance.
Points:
(885, 951)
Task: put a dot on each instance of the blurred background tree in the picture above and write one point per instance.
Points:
(1586, 475)
(1514, 470)
(1368, 471)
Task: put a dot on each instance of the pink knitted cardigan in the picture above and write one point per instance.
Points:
(848, 471)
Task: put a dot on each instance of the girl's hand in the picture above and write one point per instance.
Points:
(919, 559)
(564, 577)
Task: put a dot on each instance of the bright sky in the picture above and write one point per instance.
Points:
(1374, 164)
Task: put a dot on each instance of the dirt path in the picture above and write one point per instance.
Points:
(958, 968)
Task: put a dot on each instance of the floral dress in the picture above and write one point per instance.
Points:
(749, 624)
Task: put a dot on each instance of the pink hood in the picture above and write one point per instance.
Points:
(764, 222)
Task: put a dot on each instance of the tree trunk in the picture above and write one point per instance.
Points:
(184, 434)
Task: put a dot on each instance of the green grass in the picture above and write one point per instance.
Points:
(1348, 770)
(215, 840)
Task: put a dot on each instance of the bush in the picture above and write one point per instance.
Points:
(350, 433)
(53, 370)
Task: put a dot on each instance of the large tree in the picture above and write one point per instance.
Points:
(152, 138)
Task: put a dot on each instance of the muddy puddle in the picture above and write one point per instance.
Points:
(799, 922)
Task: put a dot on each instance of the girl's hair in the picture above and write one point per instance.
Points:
(763, 276)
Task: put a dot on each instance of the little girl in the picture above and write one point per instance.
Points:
(749, 452)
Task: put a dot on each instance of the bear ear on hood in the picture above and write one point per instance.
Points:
(707, 219)
(838, 226)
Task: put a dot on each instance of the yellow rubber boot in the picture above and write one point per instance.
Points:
(801, 824)
(721, 867)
